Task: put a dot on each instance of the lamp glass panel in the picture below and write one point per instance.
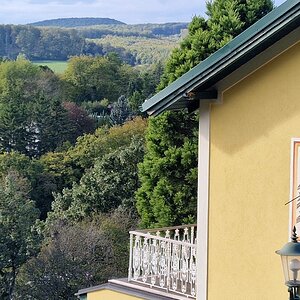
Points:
(291, 270)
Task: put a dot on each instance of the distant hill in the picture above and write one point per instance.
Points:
(77, 22)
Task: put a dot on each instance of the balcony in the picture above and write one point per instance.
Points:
(164, 259)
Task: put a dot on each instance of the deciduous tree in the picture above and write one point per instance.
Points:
(42, 184)
(111, 183)
(18, 240)
(77, 256)
(79, 121)
(95, 78)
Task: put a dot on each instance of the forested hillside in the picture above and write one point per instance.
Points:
(135, 44)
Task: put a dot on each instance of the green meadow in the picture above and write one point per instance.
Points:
(56, 66)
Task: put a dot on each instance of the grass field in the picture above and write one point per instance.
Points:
(56, 66)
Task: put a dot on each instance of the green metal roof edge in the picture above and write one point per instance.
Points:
(220, 54)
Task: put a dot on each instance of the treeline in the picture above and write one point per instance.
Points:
(39, 44)
(98, 27)
(138, 30)
(49, 43)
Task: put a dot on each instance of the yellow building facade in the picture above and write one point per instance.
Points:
(122, 290)
(251, 135)
(111, 295)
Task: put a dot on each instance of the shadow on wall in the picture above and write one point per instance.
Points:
(254, 108)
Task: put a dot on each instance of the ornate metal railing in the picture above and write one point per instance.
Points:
(165, 258)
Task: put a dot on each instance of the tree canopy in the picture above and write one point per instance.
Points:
(77, 256)
(110, 184)
(18, 240)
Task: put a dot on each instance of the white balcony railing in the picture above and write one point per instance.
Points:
(165, 258)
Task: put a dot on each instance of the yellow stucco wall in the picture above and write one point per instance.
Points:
(109, 295)
(249, 181)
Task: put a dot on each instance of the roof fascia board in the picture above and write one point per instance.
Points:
(192, 101)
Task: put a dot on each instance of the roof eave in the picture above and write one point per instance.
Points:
(252, 41)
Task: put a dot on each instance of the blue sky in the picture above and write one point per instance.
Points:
(128, 11)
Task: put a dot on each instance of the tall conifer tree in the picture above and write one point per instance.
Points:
(168, 182)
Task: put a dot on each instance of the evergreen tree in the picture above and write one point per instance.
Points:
(32, 119)
(168, 182)
(51, 125)
(120, 112)
(169, 171)
(226, 19)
